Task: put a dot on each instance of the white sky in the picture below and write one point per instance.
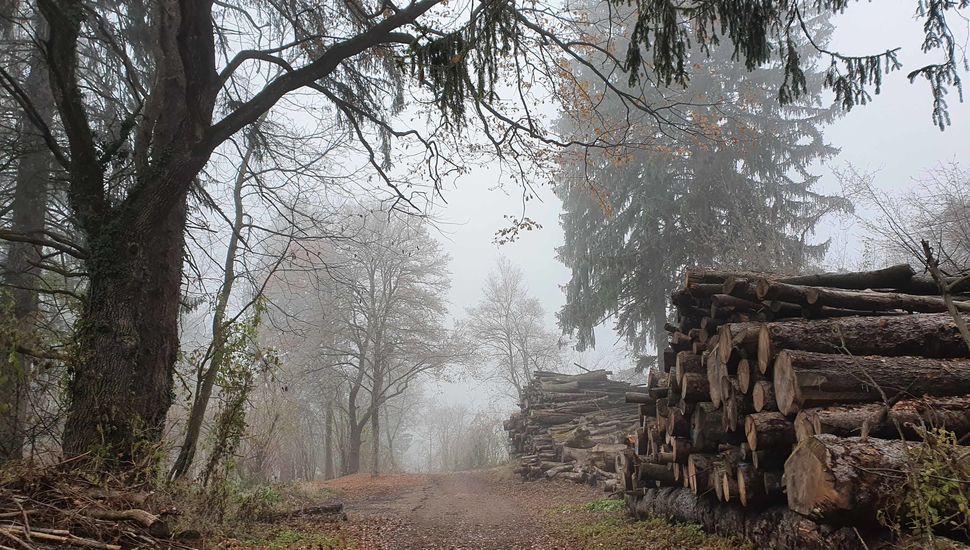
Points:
(894, 134)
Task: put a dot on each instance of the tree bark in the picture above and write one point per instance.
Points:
(736, 341)
(775, 527)
(688, 362)
(924, 335)
(875, 419)
(851, 299)
(21, 273)
(767, 430)
(848, 481)
(805, 379)
(328, 462)
(128, 341)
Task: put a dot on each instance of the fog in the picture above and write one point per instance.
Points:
(298, 263)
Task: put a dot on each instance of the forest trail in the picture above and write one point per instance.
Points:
(473, 510)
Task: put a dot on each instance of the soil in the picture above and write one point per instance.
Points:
(476, 510)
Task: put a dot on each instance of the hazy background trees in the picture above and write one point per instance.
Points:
(508, 328)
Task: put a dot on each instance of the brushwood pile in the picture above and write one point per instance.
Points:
(799, 411)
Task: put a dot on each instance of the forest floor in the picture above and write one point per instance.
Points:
(477, 510)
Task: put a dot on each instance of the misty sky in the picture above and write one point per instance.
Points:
(894, 135)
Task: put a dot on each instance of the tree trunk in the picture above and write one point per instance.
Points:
(924, 335)
(354, 444)
(21, 273)
(375, 428)
(328, 471)
(209, 373)
(128, 341)
(806, 379)
(851, 299)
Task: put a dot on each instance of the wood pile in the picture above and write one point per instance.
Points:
(783, 404)
(573, 427)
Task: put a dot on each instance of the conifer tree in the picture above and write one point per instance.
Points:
(738, 193)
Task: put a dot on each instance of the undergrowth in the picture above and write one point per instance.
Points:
(606, 524)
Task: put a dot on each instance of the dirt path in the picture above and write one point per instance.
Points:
(481, 510)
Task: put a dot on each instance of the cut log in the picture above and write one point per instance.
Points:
(682, 449)
(768, 430)
(763, 396)
(805, 379)
(748, 374)
(852, 299)
(758, 488)
(678, 425)
(770, 459)
(562, 387)
(848, 481)
(688, 362)
(637, 397)
(706, 433)
(896, 276)
(673, 386)
(660, 473)
(695, 388)
(924, 335)
(714, 371)
(735, 340)
(775, 527)
(902, 419)
(699, 467)
(734, 406)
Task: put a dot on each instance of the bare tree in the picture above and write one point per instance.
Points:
(509, 327)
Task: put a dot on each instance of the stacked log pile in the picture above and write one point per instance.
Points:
(783, 401)
(573, 427)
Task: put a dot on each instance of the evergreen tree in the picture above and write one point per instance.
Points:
(738, 193)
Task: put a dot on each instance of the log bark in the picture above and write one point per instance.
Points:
(852, 299)
(688, 362)
(637, 397)
(696, 388)
(848, 481)
(737, 340)
(706, 432)
(774, 527)
(768, 430)
(699, 469)
(896, 276)
(805, 379)
(925, 335)
(903, 418)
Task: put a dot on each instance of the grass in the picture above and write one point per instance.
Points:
(606, 524)
(293, 539)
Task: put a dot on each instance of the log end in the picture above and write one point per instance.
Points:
(810, 487)
(764, 349)
(787, 394)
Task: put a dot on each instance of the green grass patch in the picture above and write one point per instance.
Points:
(292, 539)
(604, 505)
(606, 524)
